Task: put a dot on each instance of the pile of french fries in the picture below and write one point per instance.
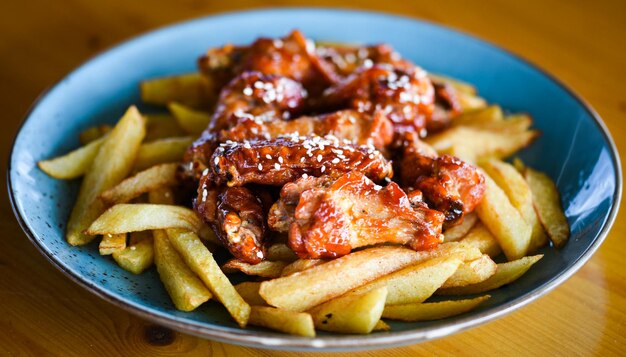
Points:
(127, 200)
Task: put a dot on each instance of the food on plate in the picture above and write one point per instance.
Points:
(342, 184)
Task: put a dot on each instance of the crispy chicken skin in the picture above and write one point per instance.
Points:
(278, 161)
(331, 219)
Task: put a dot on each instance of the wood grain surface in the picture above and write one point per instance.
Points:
(43, 313)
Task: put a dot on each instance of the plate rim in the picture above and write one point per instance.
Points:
(270, 340)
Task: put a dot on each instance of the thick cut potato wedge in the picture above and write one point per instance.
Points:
(128, 217)
(200, 261)
(162, 196)
(518, 192)
(505, 274)
(162, 151)
(111, 243)
(301, 265)
(301, 291)
(472, 272)
(432, 310)
(161, 126)
(249, 291)
(293, 323)
(480, 237)
(145, 181)
(381, 326)
(192, 121)
(504, 221)
(265, 269)
(93, 133)
(110, 166)
(184, 287)
(548, 206)
(470, 102)
(351, 313)
(73, 164)
(138, 256)
(459, 231)
(191, 89)
(280, 251)
(415, 283)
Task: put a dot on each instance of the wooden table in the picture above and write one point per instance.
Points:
(43, 312)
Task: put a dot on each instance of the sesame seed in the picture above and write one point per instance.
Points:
(260, 167)
(268, 156)
(205, 172)
(247, 91)
(280, 159)
(323, 168)
(335, 161)
(302, 159)
(216, 160)
(305, 176)
(319, 158)
(277, 166)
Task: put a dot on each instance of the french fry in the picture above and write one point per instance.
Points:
(157, 176)
(185, 289)
(455, 83)
(111, 243)
(472, 272)
(480, 237)
(470, 102)
(162, 151)
(137, 257)
(280, 251)
(73, 164)
(161, 126)
(93, 133)
(303, 290)
(490, 114)
(547, 204)
(200, 261)
(381, 326)
(249, 291)
(505, 274)
(432, 310)
(415, 283)
(518, 192)
(504, 221)
(351, 313)
(129, 217)
(301, 265)
(110, 166)
(192, 121)
(459, 231)
(163, 196)
(293, 323)
(265, 269)
(191, 89)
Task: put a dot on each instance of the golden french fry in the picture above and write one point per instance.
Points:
(94, 133)
(161, 126)
(162, 151)
(249, 291)
(184, 287)
(137, 257)
(145, 181)
(459, 85)
(300, 265)
(311, 287)
(470, 102)
(111, 243)
(265, 269)
(505, 274)
(132, 217)
(192, 121)
(381, 326)
(504, 221)
(415, 283)
(432, 310)
(547, 204)
(518, 192)
(163, 196)
(472, 272)
(459, 231)
(351, 313)
(190, 89)
(293, 323)
(110, 166)
(280, 251)
(200, 261)
(73, 164)
(490, 114)
(480, 237)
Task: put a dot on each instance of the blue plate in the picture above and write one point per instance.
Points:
(575, 149)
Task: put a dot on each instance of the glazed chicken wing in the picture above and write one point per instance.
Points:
(278, 161)
(332, 218)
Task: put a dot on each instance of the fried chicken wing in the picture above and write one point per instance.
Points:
(331, 219)
(447, 107)
(344, 60)
(279, 161)
(405, 95)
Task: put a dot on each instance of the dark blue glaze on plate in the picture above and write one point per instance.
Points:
(575, 149)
